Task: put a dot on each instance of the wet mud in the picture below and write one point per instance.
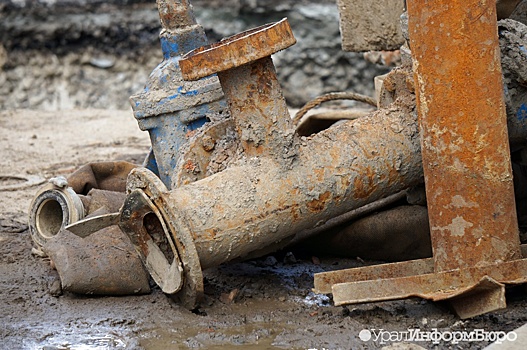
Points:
(265, 303)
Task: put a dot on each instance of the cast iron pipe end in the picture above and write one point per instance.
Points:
(237, 50)
(166, 248)
(147, 231)
(52, 209)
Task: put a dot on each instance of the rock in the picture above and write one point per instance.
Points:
(55, 288)
(289, 258)
(228, 298)
(103, 63)
(270, 261)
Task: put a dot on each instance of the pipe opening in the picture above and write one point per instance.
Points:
(49, 218)
(154, 228)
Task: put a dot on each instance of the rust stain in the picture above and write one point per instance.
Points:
(211, 233)
(263, 83)
(317, 205)
(295, 214)
(389, 83)
(365, 183)
(263, 215)
(319, 173)
(345, 181)
(190, 166)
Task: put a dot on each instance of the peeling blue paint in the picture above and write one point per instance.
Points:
(187, 93)
(169, 47)
(150, 163)
(180, 92)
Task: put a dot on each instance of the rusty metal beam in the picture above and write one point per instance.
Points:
(465, 147)
(433, 286)
(325, 280)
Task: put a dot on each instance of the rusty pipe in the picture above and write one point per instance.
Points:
(53, 207)
(105, 263)
(395, 234)
(247, 207)
(248, 79)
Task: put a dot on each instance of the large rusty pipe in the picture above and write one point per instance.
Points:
(465, 146)
(248, 207)
(284, 185)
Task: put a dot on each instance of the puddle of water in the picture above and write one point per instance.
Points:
(253, 337)
(92, 338)
(104, 342)
(257, 336)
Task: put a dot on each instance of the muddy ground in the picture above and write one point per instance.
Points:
(274, 306)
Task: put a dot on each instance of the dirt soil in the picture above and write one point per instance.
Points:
(260, 304)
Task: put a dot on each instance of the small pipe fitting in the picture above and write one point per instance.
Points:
(52, 209)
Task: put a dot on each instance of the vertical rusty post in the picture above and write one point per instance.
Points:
(464, 138)
(248, 78)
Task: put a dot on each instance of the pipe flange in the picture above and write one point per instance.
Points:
(146, 229)
(52, 209)
(237, 50)
(146, 193)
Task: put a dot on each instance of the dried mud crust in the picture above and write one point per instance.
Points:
(260, 304)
